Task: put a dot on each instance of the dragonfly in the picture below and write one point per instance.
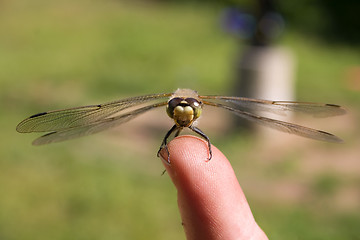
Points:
(184, 106)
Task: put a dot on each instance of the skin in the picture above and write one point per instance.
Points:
(211, 202)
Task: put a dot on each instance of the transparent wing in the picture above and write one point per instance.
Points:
(95, 127)
(281, 125)
(81, 116)
(278, 107)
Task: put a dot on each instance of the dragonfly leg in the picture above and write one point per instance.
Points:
(178, 132)
(198, 131)
(164, 142)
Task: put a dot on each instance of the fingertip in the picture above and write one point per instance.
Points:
(210, 198)
(188, 155)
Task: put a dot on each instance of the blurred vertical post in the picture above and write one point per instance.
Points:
(263, 71)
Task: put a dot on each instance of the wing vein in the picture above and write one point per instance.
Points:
(86, 115)
(101, 125)
(281, 125)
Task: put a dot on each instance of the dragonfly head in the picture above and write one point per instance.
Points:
(184, 111)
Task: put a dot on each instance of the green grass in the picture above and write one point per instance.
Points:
(323, 69)
(63, 54)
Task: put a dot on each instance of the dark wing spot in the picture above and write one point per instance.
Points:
(332, 138)
(332, 105)
(50, 133)
(38, 115)
(326, 133)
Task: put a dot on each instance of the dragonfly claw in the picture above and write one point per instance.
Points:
(167, 151)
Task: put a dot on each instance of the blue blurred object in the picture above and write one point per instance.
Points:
(259, 30)
(239, 23)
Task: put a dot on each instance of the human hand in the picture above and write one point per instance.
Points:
(211, 202)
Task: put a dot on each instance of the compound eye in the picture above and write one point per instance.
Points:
(172, 104)
(193, 102)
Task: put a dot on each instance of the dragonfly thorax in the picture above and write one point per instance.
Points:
(183, 111)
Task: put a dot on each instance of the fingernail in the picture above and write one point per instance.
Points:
(164, 158)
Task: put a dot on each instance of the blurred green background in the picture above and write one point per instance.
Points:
(57, 54)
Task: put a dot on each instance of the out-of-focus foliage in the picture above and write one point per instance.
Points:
(330, 20)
